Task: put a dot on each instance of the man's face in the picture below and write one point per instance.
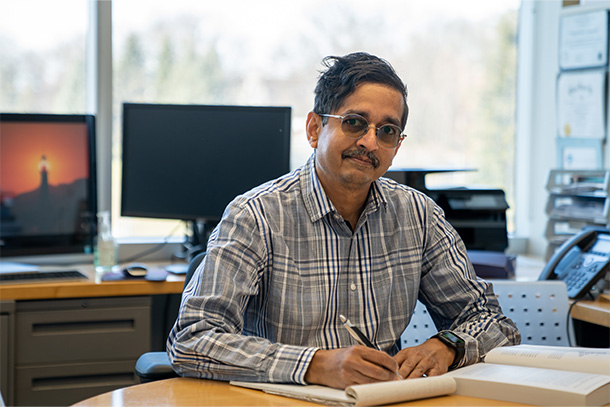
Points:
(349, 163)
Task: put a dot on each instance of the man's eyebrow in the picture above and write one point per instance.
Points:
(392, 120)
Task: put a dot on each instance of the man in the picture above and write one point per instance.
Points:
(333, 238)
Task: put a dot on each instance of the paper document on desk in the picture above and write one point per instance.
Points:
(314, 393)
(361, 395)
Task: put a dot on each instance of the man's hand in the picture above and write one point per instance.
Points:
(344, 367)
(431, 358)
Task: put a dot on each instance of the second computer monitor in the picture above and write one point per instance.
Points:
(189, 161)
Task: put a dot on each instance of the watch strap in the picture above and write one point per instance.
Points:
(455, 342)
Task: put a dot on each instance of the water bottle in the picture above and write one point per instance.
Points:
(106, 249)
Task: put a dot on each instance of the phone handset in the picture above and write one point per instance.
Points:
(566, 254)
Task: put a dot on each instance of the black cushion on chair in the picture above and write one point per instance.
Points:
(192, 267)
(155, 365)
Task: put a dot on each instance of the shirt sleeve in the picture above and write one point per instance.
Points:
(206, 340)
(456, 298)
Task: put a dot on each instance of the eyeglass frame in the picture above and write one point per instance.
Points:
(401, 135)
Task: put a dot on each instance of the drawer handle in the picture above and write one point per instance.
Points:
(60, 328)
(82, 381)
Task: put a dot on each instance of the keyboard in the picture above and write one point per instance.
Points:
(45, 276)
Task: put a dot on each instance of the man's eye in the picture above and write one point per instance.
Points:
(389, 130)
(355, 122)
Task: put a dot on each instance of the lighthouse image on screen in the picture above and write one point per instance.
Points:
(44, 170)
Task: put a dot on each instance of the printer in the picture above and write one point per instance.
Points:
(477, 214)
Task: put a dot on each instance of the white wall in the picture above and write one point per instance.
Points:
(536, 114)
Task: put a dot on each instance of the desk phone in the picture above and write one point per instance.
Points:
(580, 262)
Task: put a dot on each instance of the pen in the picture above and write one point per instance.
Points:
(356, 333)
(359, 336)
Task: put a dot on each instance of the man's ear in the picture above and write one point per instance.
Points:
(313, 129)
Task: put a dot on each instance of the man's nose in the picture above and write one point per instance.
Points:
(369, 139)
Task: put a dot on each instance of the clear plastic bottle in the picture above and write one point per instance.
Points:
(106, 249)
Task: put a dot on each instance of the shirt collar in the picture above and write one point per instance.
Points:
(317, 202)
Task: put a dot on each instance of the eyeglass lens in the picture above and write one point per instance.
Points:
(356, 126)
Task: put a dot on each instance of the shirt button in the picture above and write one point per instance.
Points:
(353, 287)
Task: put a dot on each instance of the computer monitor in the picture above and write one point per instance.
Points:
(48, 199)
(189, 161)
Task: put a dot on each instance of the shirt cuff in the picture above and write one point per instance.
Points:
(471, 350)
(291, 364)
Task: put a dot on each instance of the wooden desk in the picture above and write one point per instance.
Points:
(89, 288)
(596, 312)
(96, 329)
(198, 392)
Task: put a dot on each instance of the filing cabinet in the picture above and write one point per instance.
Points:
(7, 309)
(66, 350)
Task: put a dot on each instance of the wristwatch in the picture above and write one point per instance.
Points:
(454, 342)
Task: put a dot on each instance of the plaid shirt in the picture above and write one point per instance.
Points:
(282, 265)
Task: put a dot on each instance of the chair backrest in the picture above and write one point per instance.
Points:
(192, 267)
(538, 308)
(420, 328)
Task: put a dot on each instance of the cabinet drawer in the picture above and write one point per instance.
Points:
(66, 384)
(70, 332)
(4, 355)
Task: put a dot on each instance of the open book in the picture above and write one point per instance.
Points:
(529, 374)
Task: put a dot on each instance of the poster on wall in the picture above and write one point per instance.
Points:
(581, 104)
(583, 40)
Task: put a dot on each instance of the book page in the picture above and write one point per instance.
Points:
(532, 385)
(559, 380)
(588, 360)
(401, 390)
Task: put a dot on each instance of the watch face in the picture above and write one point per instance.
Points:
(453, 338)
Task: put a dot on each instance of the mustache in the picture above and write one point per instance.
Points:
(362, 153)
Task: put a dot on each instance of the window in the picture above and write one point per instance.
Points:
(458, 60)
(42, 56)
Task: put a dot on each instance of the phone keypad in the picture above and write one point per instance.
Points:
(580, 267)
(581, 272)
(575, 279)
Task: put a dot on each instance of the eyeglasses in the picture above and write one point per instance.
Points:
(355, 126)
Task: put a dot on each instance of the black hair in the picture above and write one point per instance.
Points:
(344, 74)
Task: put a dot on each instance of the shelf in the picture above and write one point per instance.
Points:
(577, 199)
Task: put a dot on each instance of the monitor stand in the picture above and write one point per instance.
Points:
(197, 236)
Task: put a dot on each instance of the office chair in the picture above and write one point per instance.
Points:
(538, 308)
(153, 366)
(420, 329)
